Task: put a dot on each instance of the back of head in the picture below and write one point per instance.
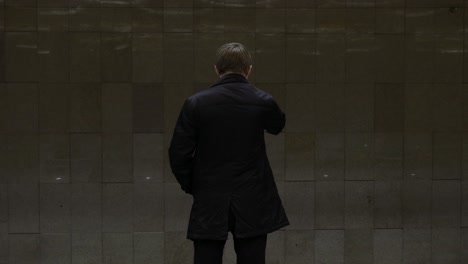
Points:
(233, 57)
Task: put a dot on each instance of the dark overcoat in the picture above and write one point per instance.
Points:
(217, 154)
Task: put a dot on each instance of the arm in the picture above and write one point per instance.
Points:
(183, 145)
(276, 118)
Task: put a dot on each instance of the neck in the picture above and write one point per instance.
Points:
(230, 72)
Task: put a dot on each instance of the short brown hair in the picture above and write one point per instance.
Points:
(233, 57)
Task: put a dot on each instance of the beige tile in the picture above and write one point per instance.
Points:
(239, 3)
(388, 153)
(86, 247)
(53, 19)
(446, 204)
(270, 58)
(86, 208)
(85, 57)
(275, 147)
(388, 246)
(20, 19)
(117, 106)
(387, 204)
(207, 3)
(300, 20)
(113, 3)
(147, 54)
(359, 157)
(117, 246)
(331, 20)
(54, 107)
(178, 20)
(23, 103)
(117, 157)
(447, 107)
(148, 215)
(23, 208)
(21, 57)
(270, 3)
(360, 20)
(418, 155)
(84, 3)
(300, 107)
(300, 4)
(148, 108)
(447, 21)
(445, 245)
(447, 155)
(147, 3)
(147, 19)
(331, 58)
(448, 59)
(270, 20)
(420, 60)
(329, 246)
(85, 107)
(419, 20)
(418, 107)
(464, 245)
(208, 20)
(27, 3)
(54, 157)
(360, 58)
(116, 19)
(301, 59)
(24, 248)
(56, 248)
(148, 157)
(55, 208)
(116, 56)
(390, 21)
(359, 112)
(416, 201)
(360, 3)
(53, 56)
(86, 158)
(84, 18)
(390, 53)
(464, 203)
(239, 20)
(177, 206)
(358, 245)
(391, 3)
(148, 247)
(389, 107)
(330, 107)
(329, 156)
(329, 205)
(177, 248)
(464, 175)
(299, 246)
(300, 156)
(205, 47)
(52, 3)
(117, 207)
(416, 246)
(23, 158)
(3, 169)
(178, 57)
(2, 58)
(299, 204)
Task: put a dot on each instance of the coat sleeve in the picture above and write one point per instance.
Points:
(183, 146)
(276, 119)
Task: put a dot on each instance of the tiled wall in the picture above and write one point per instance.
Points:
(372, 166)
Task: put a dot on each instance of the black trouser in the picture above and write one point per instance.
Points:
(249, 250)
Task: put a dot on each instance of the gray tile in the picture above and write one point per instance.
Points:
(416, 196)
(270, 57)
(21, 57)
(55, 208)
(387, 204)
(329, 204)
(299, 200)
(23, 101)
(447, 155)
(300, 107)
(117, 248)
(446, 245)
(148, 247)
(55, 248)
(53, 59)
(54, 154)
(299, 155)
(359, 156)
(418, 103)
(448, 65)
(388, 153)
(148, 214)
(177, 206)
(86, 158)
(147, 19)
(23, 158)
(85, 107)
(116, 56)
(87, 248)
(270, 20)
(389, 107)
(275, 248)
(118, 206)
(148, 157)
(299, 246)
(178, 57)
(275, 148)
(358, 246)
(178, 20)
(54, 107)
(53, 19)
(446, 203)
(85, 56)
(24, 248)
(390, 48)
(330, 57)
(86, 207)
(330, 107)
(84, 18)
(416, 246)
(329, 246)
(116, 19)
(329, 156)
(388, 246)
(420, 49)
(359, 204)
(177, 249)
(447, 107)
(418, 156)
(117, 107)
(147, 57)
(20, 19)
(148, 108)
(300, 58)
(360, 56)
(23, 208)
(359, 111)
(464, 204)
(117, 157)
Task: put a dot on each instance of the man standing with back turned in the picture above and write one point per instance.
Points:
(218, 155)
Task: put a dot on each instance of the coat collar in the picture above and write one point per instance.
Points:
(231, 77)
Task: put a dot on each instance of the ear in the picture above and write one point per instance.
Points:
(248, 71)
(216, 70)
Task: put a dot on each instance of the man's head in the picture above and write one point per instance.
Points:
(233, 58)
